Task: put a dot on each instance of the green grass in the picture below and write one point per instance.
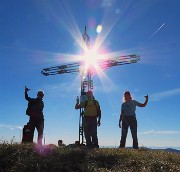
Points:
(31, 158)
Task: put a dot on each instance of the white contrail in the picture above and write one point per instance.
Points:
(159, 132)
(157, 30)
(165, 94)
(12, 127)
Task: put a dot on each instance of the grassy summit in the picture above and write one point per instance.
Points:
(32, 158)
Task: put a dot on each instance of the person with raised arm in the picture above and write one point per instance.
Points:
(128, 118)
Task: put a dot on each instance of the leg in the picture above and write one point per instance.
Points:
(40, 129)
(31, 125)
(133, 127)
(94, 133)
(124, 131)
(86, 126)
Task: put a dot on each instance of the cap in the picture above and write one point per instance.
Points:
(89, 93)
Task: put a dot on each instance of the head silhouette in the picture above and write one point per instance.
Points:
(127, 96)
(40, 94)
(89, 94)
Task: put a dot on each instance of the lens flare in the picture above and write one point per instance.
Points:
(99, 29)
(91, 56)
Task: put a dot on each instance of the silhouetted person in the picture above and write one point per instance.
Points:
(60, 143)
(128, 117)
(35, 112)
(92, 112)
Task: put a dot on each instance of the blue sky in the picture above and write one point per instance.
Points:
(39, 34)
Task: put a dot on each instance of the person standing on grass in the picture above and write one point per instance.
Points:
(128, 118)
(35, 113)
(91, 119)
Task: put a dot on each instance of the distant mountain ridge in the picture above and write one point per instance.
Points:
(174, 149)
(171, 150)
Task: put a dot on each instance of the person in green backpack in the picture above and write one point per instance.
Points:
(91, 119)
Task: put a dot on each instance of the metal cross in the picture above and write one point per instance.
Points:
(86, 74)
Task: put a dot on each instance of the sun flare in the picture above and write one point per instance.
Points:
(91, 57)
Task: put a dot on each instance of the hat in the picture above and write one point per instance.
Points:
(89, 93)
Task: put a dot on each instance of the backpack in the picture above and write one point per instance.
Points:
(30, 107)
(35, 107)
(97, 107)
(27, 135)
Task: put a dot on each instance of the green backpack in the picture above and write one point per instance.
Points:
(97, 107)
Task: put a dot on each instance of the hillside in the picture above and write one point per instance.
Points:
(50, 158)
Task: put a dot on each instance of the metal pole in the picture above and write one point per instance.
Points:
(85, 77)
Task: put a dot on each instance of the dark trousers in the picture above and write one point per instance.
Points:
(90, 131)
(37, 123)
(129, 121)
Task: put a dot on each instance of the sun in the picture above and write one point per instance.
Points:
(91, 57)
(90, 60)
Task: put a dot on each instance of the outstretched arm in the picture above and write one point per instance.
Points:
(99, 120)
(99, 115)
(77, 106)
(26, 94)
(120, 119)
(145, 102)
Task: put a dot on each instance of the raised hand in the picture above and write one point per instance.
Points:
(26, 89)
(146, 96)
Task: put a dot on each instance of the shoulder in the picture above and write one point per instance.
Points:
(135, 102)
(124, 103)
(33, 100)
(97, 103)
